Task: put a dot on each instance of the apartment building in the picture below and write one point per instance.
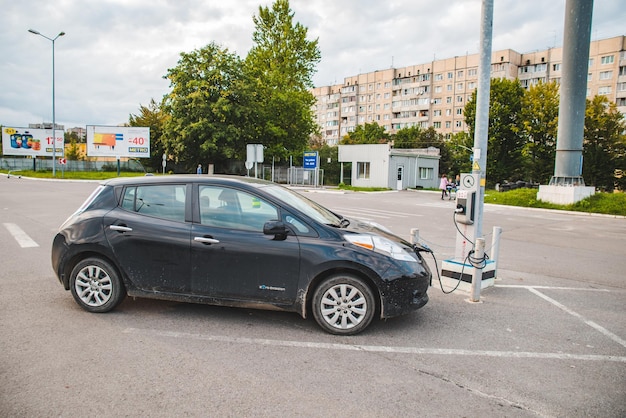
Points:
(435, 93)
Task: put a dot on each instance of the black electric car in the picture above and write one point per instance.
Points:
(235, 241)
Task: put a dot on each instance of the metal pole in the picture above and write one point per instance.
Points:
(482, 130)
(479, 253)
(54, 133)
(495, 248)
(570, 131)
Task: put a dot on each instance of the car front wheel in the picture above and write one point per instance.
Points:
(343, 305)
(96, 286)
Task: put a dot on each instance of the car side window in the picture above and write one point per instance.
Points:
(224, 207)
(298, 225)
(165, 201)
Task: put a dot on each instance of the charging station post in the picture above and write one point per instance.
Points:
(457, 273)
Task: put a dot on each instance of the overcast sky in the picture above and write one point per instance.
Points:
(115, 53)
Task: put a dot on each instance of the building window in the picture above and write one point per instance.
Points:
(459, 74)
(438, 89)
(472, 72)
(437, 125)
(606, 75)
(363, 170)
(459, 86)
(621, 101)
(448, 99)
(426, 173)
(448, 112)
(459, 99)
(438, 77)
(608, 59)
(458, 124)
(556, 67)
(449, 87)
(621, 86)
(448, 124)
(459, 111)
(604, 91)
(450, 75)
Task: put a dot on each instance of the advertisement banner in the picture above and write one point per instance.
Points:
(32, 142)
(118, 141)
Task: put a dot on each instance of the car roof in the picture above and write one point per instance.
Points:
(186, 178)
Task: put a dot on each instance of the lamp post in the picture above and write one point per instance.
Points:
(54, 132)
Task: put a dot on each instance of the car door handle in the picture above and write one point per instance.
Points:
(120, 228)
(206, 240)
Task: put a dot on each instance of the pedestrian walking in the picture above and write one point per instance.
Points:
(443, 185)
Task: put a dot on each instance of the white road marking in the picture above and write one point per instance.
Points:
(592, 324)
(372, 348)
(522, 286)
(376, 213)
(20, 236)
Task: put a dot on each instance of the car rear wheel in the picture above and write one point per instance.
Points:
(96, 286)
(343, 305)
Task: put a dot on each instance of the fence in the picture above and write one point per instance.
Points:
(39, 164)
(296, 176)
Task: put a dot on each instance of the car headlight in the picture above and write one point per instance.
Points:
(381, 245)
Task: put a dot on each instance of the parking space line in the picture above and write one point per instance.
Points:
(373, 348)
(592, 324)
(20, 236)
(379, 212)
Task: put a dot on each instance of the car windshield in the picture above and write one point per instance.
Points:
(304, 205)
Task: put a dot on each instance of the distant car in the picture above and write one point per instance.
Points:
(235, 241)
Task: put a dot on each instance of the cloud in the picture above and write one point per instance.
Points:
(115, 52)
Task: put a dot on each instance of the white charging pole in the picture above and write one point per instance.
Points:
(481, 133)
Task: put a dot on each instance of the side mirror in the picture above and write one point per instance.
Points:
(276, 228)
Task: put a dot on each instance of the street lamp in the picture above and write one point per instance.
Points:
(54, 132)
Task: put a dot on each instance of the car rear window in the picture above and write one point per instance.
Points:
(165, 201)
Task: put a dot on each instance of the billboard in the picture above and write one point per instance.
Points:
(31, 142)
(118, 141)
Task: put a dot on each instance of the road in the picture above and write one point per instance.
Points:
(548, 340)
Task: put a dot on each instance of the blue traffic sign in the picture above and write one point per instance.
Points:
(310, 160)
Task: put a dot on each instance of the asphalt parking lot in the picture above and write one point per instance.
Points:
(548, 340)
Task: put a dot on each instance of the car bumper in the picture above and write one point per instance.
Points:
(404, 289)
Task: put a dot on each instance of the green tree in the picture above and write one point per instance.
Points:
(280, 67)
(407, 137)
(153, 117)
(505, 143)
(72, 152)
(208, 108)
(539, 121)
(459, 150)
(604, 143)
(370, 133)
